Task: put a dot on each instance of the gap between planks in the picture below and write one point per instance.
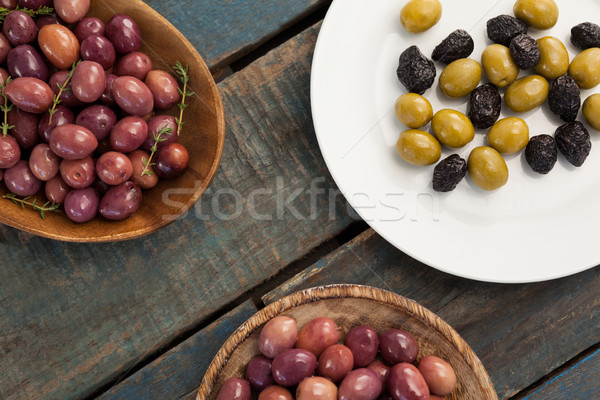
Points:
(557, 372)
(254, 295)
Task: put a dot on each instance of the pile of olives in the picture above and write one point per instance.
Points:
(87, 144)
(313, 364)
(555, 79)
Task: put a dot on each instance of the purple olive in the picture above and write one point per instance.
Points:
(62, 115)
(25, 127)
(121, 201)
(258, 372)
(30, 94)
(81, 205)
(25, 61)
(99, 49)
(405, 382)
(56, 190)
(291, 366)
(98, 119)
(133, 96)
(364, 343)
(10, 152)
(88, 81)
(278, 334)
(360, 384)
(78, 174)
(20, 180)
(89, 26)
(19, 28)
(72, 142)
(136, 64)
(396, 346)
(43, 162)
(234, 389)
(124, 33)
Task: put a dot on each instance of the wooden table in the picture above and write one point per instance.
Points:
(142, 319)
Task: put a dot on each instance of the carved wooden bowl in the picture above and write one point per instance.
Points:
(203, 135)
(351, 306)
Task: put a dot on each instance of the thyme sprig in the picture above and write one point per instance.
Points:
(184, 77)
(5, 108)
(42, 209)
(33, 13)
(61, 88)
(158, 138)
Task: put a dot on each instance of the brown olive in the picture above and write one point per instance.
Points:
(413, 110)
(585, 68)
(487, 168)
(418, 147)
(452, 128)
(419, 15)
(498, 65)
(509, 135)
(460, 77)
(527, 93)
(539, 14)
(591, 111)
(554, 58)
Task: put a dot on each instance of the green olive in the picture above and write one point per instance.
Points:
(585, 68)
(554, 58)
(527, 93)
(591, 111)
(487, 168)
(452, 128)
(419, 15)
(498, 65)
(539, 14)
(413, 110)
(460, 77)
(509, 135)
(418, 147)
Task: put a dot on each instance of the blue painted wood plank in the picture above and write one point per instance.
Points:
(224, 30)
(521, 333)
(74, 317)
(579, 381)
(180, 371)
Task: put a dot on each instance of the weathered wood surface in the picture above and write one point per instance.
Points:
(179, 372)
(74, 317)
(222, 30)
(579, 381)
(520, 332)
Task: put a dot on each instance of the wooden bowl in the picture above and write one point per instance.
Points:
(350, 306)
(203, 135)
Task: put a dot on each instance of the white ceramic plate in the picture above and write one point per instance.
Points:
(535, 228)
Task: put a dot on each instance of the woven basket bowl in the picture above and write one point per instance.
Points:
(350, 306)
(203, 135)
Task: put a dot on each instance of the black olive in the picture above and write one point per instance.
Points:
(485, 105)
(525, 51)
(585, 35)
(573, 141)
(503, 28)
(459, 44)
(448, 173)
(415, 71)
(541, 153)
(564, 98)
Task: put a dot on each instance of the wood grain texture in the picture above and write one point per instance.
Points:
(579, 381)
(351, 306)
(520, 332)
(180, 370)
(73, 317)
(224, 30)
